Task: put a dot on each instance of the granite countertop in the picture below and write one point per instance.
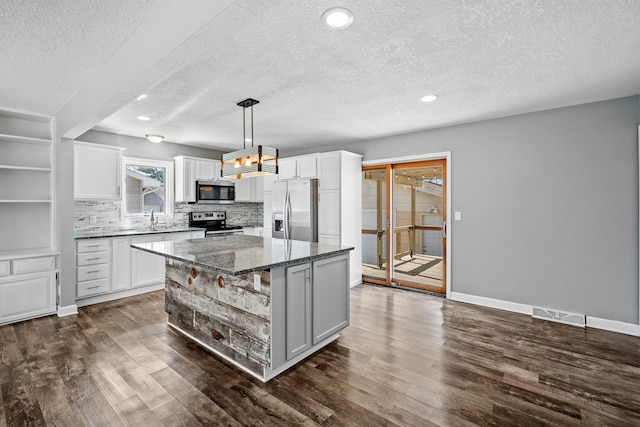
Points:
(131, 232)
(238, 254)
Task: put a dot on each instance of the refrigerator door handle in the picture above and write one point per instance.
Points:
(288, 221)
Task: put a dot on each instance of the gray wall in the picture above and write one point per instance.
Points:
(549, 204)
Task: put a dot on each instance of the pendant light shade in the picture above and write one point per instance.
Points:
(253, 161)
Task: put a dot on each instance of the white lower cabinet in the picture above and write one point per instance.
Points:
(93, 267)
(252, 231)
(146, 268)
(121, 264)
(27, 288)
(27, 296)
(110, 266)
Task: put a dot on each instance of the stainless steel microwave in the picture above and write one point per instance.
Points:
(215, 192)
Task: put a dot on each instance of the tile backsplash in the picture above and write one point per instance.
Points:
(107, 215)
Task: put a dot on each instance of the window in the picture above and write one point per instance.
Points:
(148, 186)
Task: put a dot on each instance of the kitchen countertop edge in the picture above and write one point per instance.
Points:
(131, 232)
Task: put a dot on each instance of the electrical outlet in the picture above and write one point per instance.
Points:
(256, 282)
(93, 219)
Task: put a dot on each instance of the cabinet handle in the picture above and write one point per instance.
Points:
(118, 191)
(93, 287)
(92, 259)
(93, 271)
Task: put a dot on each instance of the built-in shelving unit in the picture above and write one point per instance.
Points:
(28, 250)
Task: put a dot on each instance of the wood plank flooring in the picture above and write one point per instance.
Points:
(408, 359)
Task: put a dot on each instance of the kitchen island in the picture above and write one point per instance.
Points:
(263, 304)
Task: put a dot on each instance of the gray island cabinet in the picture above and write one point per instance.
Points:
(263, 304)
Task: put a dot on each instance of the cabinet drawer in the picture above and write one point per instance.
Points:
(93, 246)
(91, 258)
(92, 272)
(31, 265)
(92, 287)
(4, 268)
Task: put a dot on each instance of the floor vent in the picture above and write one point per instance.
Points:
(559, 316)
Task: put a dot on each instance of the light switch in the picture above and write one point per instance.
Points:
(256, 282)
(93, 219)
(457, 216)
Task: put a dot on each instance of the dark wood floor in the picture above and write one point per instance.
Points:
(407, 359)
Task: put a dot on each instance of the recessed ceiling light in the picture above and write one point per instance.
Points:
(141, 97)
(143, 118)
(154, 138)
(337, 17)
(429, 98)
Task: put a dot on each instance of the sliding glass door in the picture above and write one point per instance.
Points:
(375, 224)
(404, 224)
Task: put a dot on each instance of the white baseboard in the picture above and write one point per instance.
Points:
(493, 303)
(613, 326)
(355, 282)
(67, 310)
(592, 322)
(119, 294)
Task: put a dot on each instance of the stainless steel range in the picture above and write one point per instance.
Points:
(214, 222)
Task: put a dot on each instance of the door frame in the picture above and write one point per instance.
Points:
(444, 155)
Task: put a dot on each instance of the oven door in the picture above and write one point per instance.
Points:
(215, 192)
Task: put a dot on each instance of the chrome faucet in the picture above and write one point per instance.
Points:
(154, 221)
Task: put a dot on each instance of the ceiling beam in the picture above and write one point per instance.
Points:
(126, 73)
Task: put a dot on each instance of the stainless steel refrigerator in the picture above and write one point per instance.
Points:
(294, 210)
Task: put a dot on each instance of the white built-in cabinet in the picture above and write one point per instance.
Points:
(340, 205)
(339, 199)
(251, 189)
(188, 170)
(297, 167)
(28, 249)
(110, 268)
(267, 203)
(97, 173)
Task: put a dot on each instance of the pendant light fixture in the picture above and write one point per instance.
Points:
(253, 161)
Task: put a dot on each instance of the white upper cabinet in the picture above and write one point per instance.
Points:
(188, 170)
(297, 167)
(252, 189)
(97, 171)
(329, 171)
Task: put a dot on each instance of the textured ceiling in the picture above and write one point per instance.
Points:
(316, 86)
(48, 48)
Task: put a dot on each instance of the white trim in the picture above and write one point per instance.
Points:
(355, 283)
(446, 155)
(592, 322)
(168, 186)
(406, 159)
(613, 326)
(119, 294)
(493, 303)
(68, 310)
(639, 228)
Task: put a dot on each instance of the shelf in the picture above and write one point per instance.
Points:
(26, 253)
(26, 201)
(25, 139)
(25, 168)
